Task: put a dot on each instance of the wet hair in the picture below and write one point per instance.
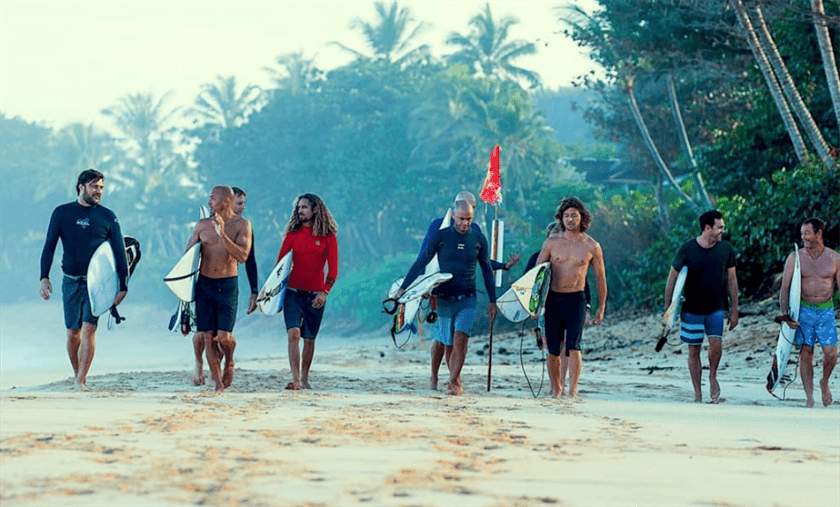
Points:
(323, 223)
(573, 202)
(87, 176)
(708, 218)
(238, 192)
(817, 224)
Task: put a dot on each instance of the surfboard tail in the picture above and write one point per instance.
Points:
(773, 377)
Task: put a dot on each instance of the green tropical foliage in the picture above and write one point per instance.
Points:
(392, 36)
(487, 51)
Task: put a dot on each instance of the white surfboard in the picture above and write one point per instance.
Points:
(673, 311)
(181, 279)
(424, 284)
(526, 296)
(273, 293)
(786, 333)
(102, 281)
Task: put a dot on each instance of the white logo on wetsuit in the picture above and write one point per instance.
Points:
(84, 223)
(461, 246)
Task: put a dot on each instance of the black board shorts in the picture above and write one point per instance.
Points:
(565, 313)
(298, 312)
(216, 300)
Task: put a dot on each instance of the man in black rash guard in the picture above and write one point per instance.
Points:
(458, 248)
(82, 225)
(239, 196)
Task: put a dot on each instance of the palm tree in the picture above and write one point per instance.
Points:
(390, 39)
(487, 50)
(297, 73)
(221, 105)
(143, 120)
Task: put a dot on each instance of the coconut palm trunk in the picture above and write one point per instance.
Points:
(789, 88)
(686, 145)
(654, 151)
(827, 52)
(772, 83)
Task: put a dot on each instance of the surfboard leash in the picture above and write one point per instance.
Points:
(522, 361)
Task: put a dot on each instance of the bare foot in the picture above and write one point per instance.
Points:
(826, 392)
(79, 386)
(455, 389)
(698, 398)
(304, 384)
(198, 379)
(433, 384)
(714, 390)
(227, 375)
(809, 403)
(293, 386)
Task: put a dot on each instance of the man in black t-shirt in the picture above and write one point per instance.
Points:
(82, 226)
(711, 274)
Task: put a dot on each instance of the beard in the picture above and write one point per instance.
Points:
(88, 198)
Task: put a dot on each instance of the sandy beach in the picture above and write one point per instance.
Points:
(370, 432)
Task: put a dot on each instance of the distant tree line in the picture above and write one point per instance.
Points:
(390, 137)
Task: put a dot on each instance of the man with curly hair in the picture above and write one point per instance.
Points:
(571, 253)
(310, 236)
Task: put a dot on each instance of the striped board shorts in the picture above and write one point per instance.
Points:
(694, 327)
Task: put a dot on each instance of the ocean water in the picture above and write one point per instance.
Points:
(33, 342)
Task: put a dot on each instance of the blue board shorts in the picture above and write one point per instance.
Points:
(816, 325)
(454, 316)
(215, 303)
(298, 312)
(74, 295)
(694, 326)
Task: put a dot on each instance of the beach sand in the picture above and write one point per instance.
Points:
(370, 432)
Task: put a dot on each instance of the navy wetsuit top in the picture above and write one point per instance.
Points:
(457, 254)
(435, 226)
(82, 229)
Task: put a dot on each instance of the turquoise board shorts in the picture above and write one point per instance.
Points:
(694, 326)
(454, 316)
(816, 325)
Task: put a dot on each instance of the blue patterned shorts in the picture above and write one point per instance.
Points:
(816, 325)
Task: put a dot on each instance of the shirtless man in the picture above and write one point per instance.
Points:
(571, 253)
(225, 241)
(239, 196)
(820, 268)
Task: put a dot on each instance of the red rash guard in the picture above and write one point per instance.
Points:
(309, 254)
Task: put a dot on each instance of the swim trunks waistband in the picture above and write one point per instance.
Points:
(460, 297)
(820, 306)
(74, 277)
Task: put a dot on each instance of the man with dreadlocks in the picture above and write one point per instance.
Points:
(310, 236)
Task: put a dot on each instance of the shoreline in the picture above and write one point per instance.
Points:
(372, 433)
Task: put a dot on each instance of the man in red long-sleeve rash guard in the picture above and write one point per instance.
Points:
(310, 235)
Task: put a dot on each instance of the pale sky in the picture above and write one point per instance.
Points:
(65, 61)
